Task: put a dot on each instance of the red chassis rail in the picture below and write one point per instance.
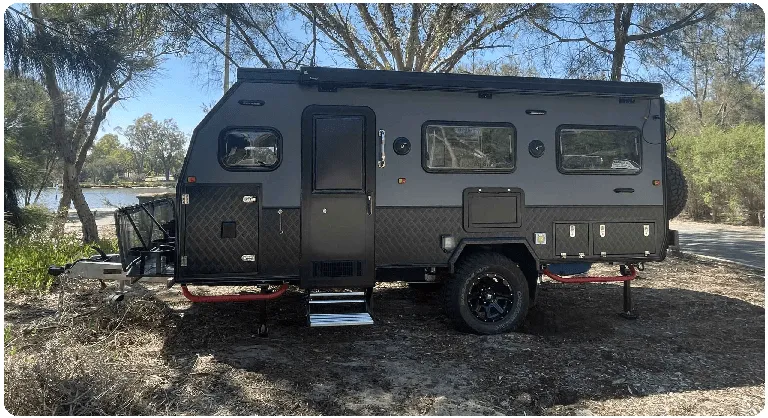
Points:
(233, 298)
(632, 275)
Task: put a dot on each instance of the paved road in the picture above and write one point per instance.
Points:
(744, 244)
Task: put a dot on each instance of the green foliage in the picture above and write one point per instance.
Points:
(34, 219)
(27, 257)
(27, 129)
(108, 159)
(725, 171)
(157, 146)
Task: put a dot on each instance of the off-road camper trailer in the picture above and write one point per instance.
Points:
(334, 179)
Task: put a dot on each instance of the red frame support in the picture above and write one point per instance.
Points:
(632, 275)
(233, 298)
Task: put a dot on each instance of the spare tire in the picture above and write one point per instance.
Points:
(677, 189)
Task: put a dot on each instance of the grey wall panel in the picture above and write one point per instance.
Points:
(412, 235)
(401, 113)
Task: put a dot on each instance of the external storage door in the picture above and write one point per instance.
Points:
(337, 205)
(220, 224)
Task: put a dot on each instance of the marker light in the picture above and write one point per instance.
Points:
(448, 242)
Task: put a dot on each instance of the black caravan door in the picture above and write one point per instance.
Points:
(337, 196)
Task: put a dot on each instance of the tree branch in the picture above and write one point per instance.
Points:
(686, 21)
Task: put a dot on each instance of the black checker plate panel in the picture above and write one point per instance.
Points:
(280, 252)
(411, 235)
(625, 238)
(210, 205)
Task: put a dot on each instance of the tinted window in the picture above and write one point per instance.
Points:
(468, 146)
(595, 149)
(250, 149)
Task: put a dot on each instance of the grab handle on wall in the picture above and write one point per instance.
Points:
(624, 190)
(383, 139)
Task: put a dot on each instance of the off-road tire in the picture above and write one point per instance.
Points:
(677, 189)
(457, 287)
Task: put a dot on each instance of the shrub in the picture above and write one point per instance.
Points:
(35, 219)
(28, 255)
(725, 171)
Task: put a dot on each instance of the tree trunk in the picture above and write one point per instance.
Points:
(71, 192)
(618, 60)
(167, 174)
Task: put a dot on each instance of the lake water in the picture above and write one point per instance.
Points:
(101, 198)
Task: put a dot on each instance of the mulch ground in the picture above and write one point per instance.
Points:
(697, 348)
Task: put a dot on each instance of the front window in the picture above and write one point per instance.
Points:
(468, 147)
(250, 149)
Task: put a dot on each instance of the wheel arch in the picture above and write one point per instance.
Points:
(516, 249)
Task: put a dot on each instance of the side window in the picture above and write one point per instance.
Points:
(598, 149)
(250, 149)
(449, 147)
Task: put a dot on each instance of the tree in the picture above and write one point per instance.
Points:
(27, 129)
(108, 159)
(169, 150)
(97, 50)
(413, 37)
(604, 32)
(156, 145)
(140, 138)
(720, 65)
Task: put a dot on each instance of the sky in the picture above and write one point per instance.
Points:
(176, 93)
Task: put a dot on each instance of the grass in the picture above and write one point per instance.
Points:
(28, 255)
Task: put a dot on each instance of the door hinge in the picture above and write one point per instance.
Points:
(185, 199)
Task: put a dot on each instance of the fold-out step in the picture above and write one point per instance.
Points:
(337, 320)
(330, 309)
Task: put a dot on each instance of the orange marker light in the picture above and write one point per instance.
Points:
(191, 179)
(401, 180)
(657, 182)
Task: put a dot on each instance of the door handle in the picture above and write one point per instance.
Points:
(370, 204)
(624, 190)
(383, 139)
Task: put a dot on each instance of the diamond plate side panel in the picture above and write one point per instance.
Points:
(411, 235)
(210, 205)
(408, 235)
(623, 238)
(280, 253)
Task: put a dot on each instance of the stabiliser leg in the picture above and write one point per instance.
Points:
(629, 309)
(263, 329)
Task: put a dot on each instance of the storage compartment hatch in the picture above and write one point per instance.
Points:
(491, 209)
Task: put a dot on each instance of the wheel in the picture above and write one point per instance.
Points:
(677, 189)
(487, 295)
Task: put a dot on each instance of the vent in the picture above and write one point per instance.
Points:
(337, 268)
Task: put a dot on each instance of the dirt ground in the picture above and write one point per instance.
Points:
(697, 348)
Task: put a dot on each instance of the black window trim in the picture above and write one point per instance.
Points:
(467, 170)
(616, 172)
(220, 149)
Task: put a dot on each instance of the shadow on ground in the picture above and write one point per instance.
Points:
(572, 347)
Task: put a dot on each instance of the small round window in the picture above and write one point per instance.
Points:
(250, 149)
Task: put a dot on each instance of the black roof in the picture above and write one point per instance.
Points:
(333, 78)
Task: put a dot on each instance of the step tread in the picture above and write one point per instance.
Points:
(339, 301)
(330, 320)
(335, 294)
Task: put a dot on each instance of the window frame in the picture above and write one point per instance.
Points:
(467, 170)
(612, 172)
(279, 144)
